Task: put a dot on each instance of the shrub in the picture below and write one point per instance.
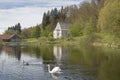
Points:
(1, 41)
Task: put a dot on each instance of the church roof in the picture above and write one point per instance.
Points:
(64, 25)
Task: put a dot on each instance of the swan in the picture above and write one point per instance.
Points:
(54, 70)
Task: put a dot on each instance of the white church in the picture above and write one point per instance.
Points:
(61, 30)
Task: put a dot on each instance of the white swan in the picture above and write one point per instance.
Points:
(54, 70)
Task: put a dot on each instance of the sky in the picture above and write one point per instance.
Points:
(27, 12)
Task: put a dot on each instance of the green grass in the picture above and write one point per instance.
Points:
(1, 42)
(110, 39)
(87, 40)
(30, 40)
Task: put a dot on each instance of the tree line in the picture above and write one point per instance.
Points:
(87, 18)
(14, 29)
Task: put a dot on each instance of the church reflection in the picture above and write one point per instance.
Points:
(60, 54)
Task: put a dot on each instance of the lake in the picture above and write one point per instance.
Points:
(76, 62)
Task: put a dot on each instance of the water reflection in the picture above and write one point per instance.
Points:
(57, 53)
(77, 62)
(12, 50)
(55, 76)
(60, 54)
(17, 51)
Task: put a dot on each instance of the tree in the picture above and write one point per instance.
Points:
(76, 29)
(14, 29)
(25, 33)
(109, 18)
(45, 20)
(47, 31)
(19, 28)
(37, 31)
(28, 32)
(1, 41)
(52, 17)
(10, 32)
(89, 27)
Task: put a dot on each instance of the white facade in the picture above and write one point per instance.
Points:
(61, 30)
(57, 32)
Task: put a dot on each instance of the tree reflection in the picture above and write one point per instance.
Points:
(75, 61)
(0, 48)
(17, 51)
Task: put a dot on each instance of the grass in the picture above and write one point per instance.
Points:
(30, 40)
(98, 38)
(109, 39)
(1, 42)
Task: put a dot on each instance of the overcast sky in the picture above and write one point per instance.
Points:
(27, 12)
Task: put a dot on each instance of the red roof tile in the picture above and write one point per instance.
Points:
(4, 36)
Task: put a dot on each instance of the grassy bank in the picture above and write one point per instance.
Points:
(101, 39)
(93, 39)
(108, 40)
(1, 41)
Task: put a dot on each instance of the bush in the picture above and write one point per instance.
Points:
(89, 39)
(1, 41)
(43, 39)
(51, 39)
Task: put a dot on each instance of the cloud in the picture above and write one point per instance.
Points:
(27, 12)
(27, 16)
(7, 4)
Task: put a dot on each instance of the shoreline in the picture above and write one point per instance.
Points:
(64, 41)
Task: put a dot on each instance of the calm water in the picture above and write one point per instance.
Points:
(76, 62)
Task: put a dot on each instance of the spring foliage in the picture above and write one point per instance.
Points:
(87, 18)
(109, 18)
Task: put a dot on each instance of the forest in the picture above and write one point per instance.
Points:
(95, 21)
